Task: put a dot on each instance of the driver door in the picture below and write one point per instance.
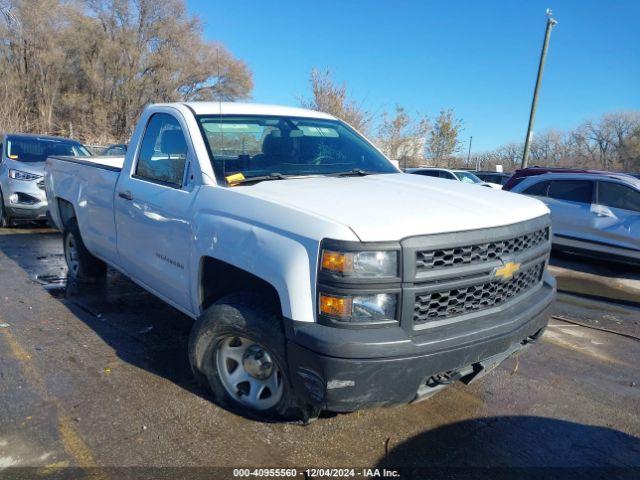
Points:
(153, 205)
(615, 216)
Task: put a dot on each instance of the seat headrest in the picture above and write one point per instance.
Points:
(172, 142)
(274, 144)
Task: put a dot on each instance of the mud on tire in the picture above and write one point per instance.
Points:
(82, 265)
(256, 320)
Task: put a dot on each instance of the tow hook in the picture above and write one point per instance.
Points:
(446, 378)
(533, 338)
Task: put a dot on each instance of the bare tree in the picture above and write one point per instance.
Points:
(403, 138)
(624, 131)
(443, 140)
(549, 148)
(90, 67)
(611, 142)
(334, 100)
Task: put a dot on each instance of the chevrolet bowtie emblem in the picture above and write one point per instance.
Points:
(507, 271)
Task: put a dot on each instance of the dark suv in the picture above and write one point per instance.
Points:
(523, 173)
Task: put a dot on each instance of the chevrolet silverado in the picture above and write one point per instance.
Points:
(319, 276)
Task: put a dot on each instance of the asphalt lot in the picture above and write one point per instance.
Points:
(97, 376)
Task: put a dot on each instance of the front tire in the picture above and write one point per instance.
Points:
(5, 220)
(237, 351)
(81, 264)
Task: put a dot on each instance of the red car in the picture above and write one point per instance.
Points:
(522, 173)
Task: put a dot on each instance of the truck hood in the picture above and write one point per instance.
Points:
(395, 206)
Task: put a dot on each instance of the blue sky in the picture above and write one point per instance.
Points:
(479, 57)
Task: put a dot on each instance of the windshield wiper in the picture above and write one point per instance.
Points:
(260, 178)
(356, 172)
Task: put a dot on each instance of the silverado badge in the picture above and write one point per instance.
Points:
(507, 271)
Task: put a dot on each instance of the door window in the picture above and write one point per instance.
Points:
(115, 151)
(579, 191)
(616, 195)
(539, 189)
(447, 175)
(163, 152)
(427, 173)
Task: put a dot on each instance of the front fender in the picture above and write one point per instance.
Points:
(275, 243)
(283, 262)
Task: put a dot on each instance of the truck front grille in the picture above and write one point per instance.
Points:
(441, 304)
(428, 260)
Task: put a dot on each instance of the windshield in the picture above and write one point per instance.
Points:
(25, 149)
(467, 177)
(255, 146)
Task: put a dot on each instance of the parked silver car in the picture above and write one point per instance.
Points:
(591, 214)
(457, 175)
(22, 157)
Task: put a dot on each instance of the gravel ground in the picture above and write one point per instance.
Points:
(98, 378)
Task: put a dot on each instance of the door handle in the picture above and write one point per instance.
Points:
(127, 195)
(602, 211)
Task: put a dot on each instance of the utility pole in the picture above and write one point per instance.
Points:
(469, 153)
(551, 22)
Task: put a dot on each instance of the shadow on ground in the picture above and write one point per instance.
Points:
(517, 447)
(597, 266)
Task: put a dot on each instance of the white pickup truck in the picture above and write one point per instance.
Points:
(319, 276)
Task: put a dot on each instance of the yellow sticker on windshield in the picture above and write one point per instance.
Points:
(234, 179)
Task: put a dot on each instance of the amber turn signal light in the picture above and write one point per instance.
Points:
(335, 306)
(337, 261)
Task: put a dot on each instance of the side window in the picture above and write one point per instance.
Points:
(580, 191)
(516, 181)
(116, 151)
(615, 195)
(427, 173)
(163, 152)
(539, 189)
(447, 175)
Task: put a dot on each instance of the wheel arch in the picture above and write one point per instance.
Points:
(62, 212)
(218, 278)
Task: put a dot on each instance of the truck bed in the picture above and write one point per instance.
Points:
(87, 183)
(110, 163)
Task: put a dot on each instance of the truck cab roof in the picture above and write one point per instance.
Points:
(238, 108)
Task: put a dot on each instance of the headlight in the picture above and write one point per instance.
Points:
(366, 264)
(20, 175)
(360, 308)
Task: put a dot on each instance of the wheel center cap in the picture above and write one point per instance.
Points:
(257, 362)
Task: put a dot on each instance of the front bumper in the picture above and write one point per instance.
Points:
(347, 369)
(32, 203)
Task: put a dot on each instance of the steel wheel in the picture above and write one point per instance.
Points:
(248, 372)
(71, 254)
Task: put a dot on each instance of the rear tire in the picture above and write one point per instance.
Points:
(237, 352)
(81, 264)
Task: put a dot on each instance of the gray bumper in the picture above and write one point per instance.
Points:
(31, 203)
(347, 369)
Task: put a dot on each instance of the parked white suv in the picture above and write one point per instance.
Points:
(319, 276)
